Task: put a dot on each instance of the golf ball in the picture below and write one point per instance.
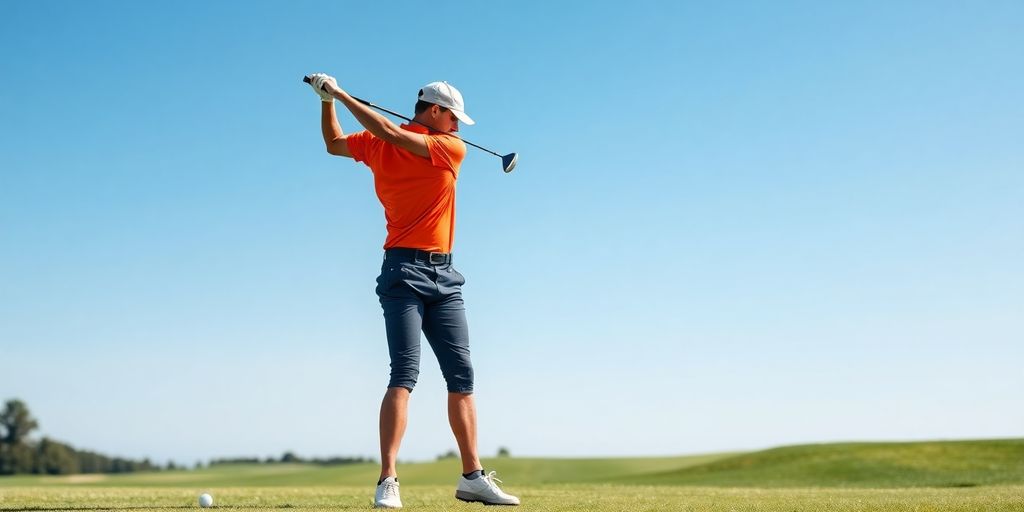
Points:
(205, 500)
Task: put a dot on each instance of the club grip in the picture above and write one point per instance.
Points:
(310, 80)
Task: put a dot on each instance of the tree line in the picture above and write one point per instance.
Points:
(291, 458)
(19, 454)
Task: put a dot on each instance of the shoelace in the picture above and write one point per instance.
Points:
(390, 489)
(490, 479)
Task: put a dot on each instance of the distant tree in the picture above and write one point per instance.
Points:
(171, 466)
(450, 454)
(118, 465)
(15, 425)
(290, 457)
(55, 458)
(236, 460)
(91, 462)
(199, 465)
(503, 452)
(16, 458)
(337, 460)
(16, 422)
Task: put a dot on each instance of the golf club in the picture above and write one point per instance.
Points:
(508, 162)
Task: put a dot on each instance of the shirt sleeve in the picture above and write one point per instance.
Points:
(446, 151)
(359, 145)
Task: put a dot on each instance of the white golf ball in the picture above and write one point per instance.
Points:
(205, 500)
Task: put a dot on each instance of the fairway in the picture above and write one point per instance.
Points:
(536, 497)
(954, 476)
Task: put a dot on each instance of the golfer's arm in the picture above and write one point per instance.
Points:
(334, 138)
(383, 128)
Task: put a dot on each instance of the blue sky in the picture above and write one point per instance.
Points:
(733, 225)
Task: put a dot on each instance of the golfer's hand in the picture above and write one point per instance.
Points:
(318, 81)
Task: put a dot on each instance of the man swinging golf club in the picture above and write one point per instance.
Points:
(414, 169)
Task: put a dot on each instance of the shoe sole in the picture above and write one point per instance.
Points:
(472, 498)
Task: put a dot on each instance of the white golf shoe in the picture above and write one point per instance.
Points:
(387, 494)
(483, 489)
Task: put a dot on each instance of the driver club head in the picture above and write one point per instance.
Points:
(508, 162)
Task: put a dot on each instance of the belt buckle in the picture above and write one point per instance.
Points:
(437, 258)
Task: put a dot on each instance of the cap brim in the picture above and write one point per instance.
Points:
(463, 117)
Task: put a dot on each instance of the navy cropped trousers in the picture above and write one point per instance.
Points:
(422, 292)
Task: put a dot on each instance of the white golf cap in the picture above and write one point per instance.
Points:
(446, 95)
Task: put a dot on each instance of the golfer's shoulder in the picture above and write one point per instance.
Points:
(450, 142)
(365, 139)
(360, 136)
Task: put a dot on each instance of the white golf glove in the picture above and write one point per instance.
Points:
(317, 80)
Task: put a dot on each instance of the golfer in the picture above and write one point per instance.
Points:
(414, 172)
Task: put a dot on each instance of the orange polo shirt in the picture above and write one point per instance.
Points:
(418, 194)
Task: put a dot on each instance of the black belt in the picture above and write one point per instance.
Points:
(404, 253)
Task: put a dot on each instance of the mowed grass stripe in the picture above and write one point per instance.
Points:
(569, 498)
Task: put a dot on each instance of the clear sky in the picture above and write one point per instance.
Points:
(733, 224)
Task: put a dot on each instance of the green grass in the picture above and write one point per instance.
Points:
(575, 497)
(927, 464)
(522, 470)
(956, 476)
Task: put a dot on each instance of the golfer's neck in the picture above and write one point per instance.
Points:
(424, 120)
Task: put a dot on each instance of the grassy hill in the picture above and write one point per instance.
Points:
(919, 464)
(891, 465)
